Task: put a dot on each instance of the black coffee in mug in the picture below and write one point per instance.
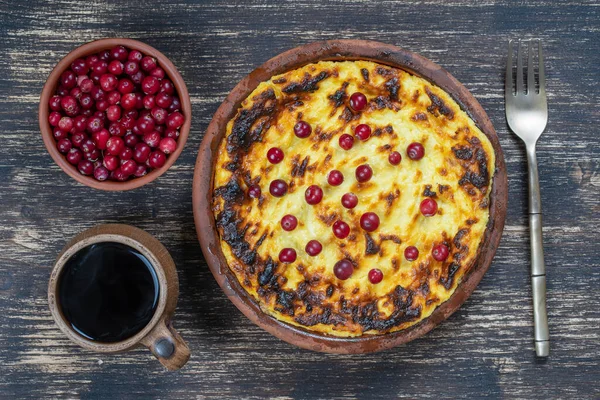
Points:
(108, 292)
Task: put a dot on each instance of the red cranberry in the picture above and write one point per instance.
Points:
(346, 141)
(128, 101)
(126, 154)
(119, 175)
(100, 67)
(428, 207)
(131, 68)
(54, 103)
(278, 188)
(86, 101)
(128, 167)
(125, 86)
(78, 139)
(65, 123)
(158, 72)
(167, 145)
(100, 138)
(64, 145)
(313, 195)
(115, 67)
(69, 105)
(59, 134)
(163, 99)
(287, 255)
(94, 124)
(157, 159)
(68, 79)
(137, 78)
(394, 158)
(141, 152)
(74, 156)
(135, 55)
(88, 146)
(104, 55)
(86, 85)
(175, 120)
(369, 221)
(375, 276)
(349, 200)
(116, 129)
(313, 248)
(90, 60)
(289, 222)
(343, 269)
(362, 131)
(148, 63)
(341, 230)
(302, 129)
(411, 253)
(127, 122)
(92, 155)
(152, 139)
(172, 133)
(85, 167)
(80, 123)
(415, 151)
(159, 115)
(363, 173)
(167, 87)
(149, 102)
(113, 97)
(108, 82)
(175, 105)
(150, 85)
(131, 139)
(114, 145)
(275, 155)
(101, 173)
(102, 105)
(79, 66)
(113, 113)
(440, 252)
(119, 53)
(140, 171)
(358, 101)
(110, 162)
(75, 92)
(254, 191)
(335, 178)
(146, 125)
(54, 118)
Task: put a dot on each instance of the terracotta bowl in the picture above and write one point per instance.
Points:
(203, 188)
(52, 84)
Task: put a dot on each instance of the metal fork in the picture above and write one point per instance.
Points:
(527, 115)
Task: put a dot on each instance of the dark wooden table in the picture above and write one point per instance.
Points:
(483, 350)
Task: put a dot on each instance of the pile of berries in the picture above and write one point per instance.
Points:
(115, 115)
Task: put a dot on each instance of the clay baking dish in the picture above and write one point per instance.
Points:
(95, 47)
(203, 188)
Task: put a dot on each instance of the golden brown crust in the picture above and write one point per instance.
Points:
(402, 108)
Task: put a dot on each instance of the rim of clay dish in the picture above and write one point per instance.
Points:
(203, 187)
(50, 88)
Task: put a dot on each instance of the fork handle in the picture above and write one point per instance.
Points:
(538, 268)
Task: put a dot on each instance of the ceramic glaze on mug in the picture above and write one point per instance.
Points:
(115, 287)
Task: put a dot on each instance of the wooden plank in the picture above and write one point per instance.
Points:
(484, 350)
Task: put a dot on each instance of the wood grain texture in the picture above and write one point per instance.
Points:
(483, 350)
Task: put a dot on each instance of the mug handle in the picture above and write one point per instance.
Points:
(167, 345)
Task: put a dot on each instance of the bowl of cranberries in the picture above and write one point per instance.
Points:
(115, 114)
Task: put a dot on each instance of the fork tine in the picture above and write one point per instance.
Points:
(530, 72)
(541, 69)
(508, 82)
(520, 88)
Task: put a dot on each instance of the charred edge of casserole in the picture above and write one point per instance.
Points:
(438, 106)
(474, 160)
